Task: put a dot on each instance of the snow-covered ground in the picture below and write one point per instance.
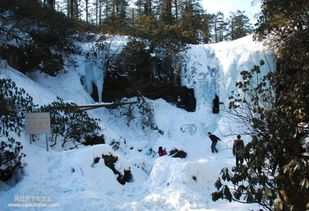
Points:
(67, 180)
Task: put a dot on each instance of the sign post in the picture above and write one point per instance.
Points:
(38, 123)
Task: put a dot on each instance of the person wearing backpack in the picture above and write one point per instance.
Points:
(238, 146)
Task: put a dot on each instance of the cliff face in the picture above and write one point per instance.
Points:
(117, 88)
(190, 83)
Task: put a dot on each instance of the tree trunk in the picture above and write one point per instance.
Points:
(176, 8)
(87, 10)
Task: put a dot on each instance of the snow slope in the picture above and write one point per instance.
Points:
(67, 180)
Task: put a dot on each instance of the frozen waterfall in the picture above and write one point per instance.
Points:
(215, 68)
(94, 74)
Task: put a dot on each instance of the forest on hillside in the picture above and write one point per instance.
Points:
(166, 25)
(158, 31)
(185, 20)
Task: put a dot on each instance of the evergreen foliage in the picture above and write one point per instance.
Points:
(167, 38)
(135, 62)
(239, 25)
(276, 170)
(116, 20)
(172, 24)
(14, 103)
(194, 23)
(70, 124)
(145, 66)
(220, 27)
(42, 36)
(10, 157)
(253, 182)
(289, 21)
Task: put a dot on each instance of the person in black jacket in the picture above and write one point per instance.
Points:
(214, 140)
(215, 105)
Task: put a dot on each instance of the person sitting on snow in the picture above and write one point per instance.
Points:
(162, 151)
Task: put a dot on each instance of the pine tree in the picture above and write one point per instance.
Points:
(87, 10)
(194, 22)
(14, 103)
(73, 10)
(70, 123)
(116, 20)
(239, 25)
(166, 16)
(50, 3)
(206, 27)
(219, 27)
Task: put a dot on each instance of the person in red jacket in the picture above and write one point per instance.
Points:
(162, 151)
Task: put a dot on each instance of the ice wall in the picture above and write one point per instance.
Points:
(215, 68)
(94, 74)
(91, 65)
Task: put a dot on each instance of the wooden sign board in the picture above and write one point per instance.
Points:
(38, 123)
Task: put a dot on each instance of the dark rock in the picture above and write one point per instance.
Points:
(109, 161)
(93, 140)
(180, 96)
(7, 174)
(96, 160)
(94, 93)
(178, 153)
(127, 177)
(117, 87)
